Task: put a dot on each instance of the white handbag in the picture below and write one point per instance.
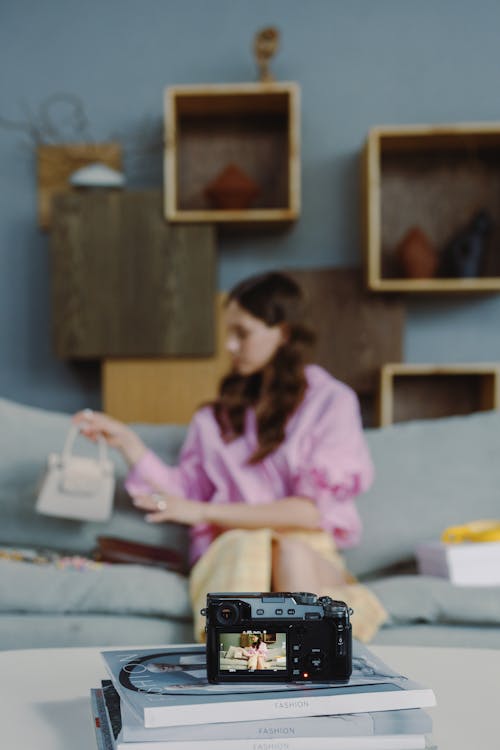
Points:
(77, 487)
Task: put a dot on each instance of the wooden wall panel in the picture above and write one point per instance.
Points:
(125, 283)
(358, 331)
(164, 390)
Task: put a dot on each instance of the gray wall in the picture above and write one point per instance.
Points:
(359, 63)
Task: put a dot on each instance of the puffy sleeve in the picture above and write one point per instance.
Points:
(188, 479)
(334, 465)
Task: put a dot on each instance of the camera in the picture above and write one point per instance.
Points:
(281, 637)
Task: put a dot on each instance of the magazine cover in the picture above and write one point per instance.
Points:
(163, 687)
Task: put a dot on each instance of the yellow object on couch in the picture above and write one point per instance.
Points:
(475, 531)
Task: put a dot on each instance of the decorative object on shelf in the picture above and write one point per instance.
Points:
(97, 175)
(463, 255)
(265, 46)
(416, 254)
(232, 189)
(56, 164)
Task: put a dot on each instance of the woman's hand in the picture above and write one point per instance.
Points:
(95, 425)
(289, 513)
(170, 508)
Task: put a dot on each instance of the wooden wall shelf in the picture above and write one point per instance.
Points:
(436, 178)
(425, 391)
(255, 126)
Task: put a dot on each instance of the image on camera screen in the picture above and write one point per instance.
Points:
(252, 651)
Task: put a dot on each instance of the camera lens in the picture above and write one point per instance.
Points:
(227, 613)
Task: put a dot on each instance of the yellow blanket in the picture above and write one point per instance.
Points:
(240, 560)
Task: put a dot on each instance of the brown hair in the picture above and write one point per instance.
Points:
(277, 390)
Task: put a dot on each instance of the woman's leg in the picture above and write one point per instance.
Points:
(297, 567)
(252, 662)
(261, 662)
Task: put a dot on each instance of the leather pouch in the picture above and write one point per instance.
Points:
(118, 550)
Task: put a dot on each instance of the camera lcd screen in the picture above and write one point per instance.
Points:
(252, 651)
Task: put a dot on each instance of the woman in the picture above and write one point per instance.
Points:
(270, 470)
(256, 652)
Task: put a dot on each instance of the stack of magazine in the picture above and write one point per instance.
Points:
(161, 700)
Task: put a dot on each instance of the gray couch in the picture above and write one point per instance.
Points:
(430, 474)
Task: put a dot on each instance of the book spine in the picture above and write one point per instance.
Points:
(382, 742)
(413, 721)
(100, 719)
(284, 708)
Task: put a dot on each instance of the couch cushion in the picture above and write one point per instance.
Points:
(430, 634)
(27, 436)
(98, 589)
(414, 598)
(430, 474)
(59, 631)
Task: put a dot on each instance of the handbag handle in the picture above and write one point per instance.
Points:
(70, 439)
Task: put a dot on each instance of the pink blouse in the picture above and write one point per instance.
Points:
(324, 457)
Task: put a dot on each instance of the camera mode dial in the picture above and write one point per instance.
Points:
(305, 597)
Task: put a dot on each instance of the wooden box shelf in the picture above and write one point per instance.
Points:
(425, 391)
(254, 126)
(435, 178)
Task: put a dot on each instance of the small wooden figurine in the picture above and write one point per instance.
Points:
(266, 43)
(416, 255)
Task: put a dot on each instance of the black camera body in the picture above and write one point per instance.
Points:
(277, 637)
